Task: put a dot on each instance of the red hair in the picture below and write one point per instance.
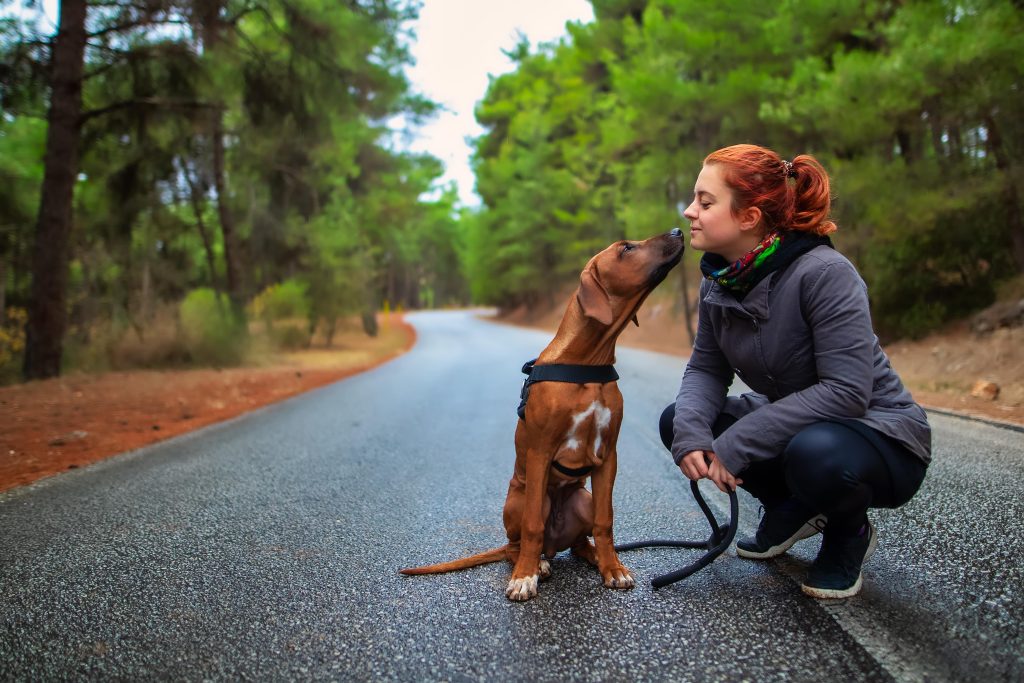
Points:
(759, 177)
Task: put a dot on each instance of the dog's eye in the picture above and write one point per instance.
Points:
(628, 247)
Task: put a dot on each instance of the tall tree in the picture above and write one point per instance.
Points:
(47, 310)
(212, 29)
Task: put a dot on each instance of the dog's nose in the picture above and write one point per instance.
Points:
(676, 232)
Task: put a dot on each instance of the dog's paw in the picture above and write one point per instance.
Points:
(523, 589)
(619, 578)
(544, 572)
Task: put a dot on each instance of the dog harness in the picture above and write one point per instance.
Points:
(572, 374)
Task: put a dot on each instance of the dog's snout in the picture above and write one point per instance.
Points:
(676, 232)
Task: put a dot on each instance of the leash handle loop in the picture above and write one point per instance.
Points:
(720, 539)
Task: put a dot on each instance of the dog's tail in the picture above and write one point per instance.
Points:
(485, 557)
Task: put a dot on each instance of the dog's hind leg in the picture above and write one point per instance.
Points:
(585, 550)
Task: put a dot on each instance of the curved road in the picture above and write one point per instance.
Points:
(267, 548)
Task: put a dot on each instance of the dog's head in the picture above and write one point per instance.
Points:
(617, 280)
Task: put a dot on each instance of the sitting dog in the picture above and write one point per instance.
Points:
(570, 424)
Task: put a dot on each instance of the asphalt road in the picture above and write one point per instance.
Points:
(267, 548)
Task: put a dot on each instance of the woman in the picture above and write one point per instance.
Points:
(828, 431)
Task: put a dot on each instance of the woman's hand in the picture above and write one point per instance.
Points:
(700, 464)
(694, 465)
(722, 477)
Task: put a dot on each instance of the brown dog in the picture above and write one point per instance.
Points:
(574, 427)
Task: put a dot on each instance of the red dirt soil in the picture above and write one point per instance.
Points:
(54, 425)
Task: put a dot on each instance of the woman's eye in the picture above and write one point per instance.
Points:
(705, 205)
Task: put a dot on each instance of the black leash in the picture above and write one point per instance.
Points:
(720, 539)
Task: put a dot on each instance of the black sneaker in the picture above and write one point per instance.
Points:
(836, 571)
(780, 528)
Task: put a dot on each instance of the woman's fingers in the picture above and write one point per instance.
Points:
(722, 477)
(688, 469)
(700, 466)
(693, 466)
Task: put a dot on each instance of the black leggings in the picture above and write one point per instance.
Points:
(838, 468)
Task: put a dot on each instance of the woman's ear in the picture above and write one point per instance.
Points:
(750, 218)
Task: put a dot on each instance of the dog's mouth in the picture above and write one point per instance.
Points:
(674, 252)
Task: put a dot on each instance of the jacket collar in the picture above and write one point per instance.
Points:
(754, 304)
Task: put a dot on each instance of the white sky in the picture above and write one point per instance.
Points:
(458, 44)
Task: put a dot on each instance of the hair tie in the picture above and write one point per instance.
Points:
(788, 167)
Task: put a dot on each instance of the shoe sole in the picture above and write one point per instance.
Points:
(840, 593)
(810, 528)
(833, 593)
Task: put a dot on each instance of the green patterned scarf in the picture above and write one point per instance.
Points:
(776, 251)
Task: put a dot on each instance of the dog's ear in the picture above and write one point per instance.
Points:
(593, 298)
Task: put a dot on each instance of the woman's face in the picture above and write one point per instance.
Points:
(713, 227)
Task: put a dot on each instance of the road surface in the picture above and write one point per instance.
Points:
(267, 548)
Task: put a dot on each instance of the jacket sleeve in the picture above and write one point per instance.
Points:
(835, 305)
(702, 392)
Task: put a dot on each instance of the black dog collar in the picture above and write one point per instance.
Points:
(557, 372)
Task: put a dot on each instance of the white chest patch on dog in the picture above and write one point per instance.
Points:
(601, 418)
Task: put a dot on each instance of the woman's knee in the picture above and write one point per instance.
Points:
(665, 425)
(819, 457)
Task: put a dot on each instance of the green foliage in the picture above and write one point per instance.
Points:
(281, 301)
(914, 108)
(212, 335)
(286, 302)
(303, 93)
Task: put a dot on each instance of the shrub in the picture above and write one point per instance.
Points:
(290, 338)
(12, 344)
(212, 335)
(280, 301)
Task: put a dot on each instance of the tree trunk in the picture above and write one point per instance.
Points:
(1013, 209)
(3, 289)
(684, 278)
(146, 295)
(672, 194)
(47, 314)
(197, 208)
(212, 36)
(232, 262)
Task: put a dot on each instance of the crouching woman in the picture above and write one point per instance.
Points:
(828, 431)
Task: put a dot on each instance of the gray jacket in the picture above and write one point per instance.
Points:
(802, 340)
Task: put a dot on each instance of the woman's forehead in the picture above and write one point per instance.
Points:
(710, 180)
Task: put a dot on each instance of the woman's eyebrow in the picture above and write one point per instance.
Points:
(705, 193)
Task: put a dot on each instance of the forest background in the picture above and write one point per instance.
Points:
(172, 170)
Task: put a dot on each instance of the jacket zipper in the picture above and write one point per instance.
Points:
(760, 351)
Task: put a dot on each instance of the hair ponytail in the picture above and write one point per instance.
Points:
(812, 202)
(759, 177)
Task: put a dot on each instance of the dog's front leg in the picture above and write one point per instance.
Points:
(526, 572)
(613, 572)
